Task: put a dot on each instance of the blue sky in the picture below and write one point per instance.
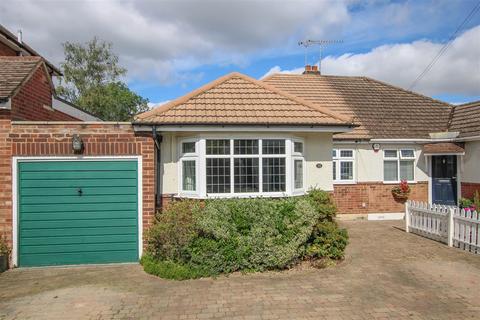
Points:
(173, 47)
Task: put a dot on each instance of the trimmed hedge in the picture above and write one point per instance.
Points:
(191, 239)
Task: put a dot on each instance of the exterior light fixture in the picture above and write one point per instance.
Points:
(77, 144)
(376, 147)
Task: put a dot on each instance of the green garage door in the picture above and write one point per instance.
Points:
(76, 212)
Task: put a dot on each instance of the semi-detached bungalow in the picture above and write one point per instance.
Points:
(84, 192)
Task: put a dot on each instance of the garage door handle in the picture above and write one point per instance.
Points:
(80, 192)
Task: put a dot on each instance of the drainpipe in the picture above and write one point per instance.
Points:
(158, 186)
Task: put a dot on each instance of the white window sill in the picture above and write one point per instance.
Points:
(344, 182)
(397, 182)
(239, 195)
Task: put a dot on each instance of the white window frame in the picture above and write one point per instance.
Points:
(338, 159)
(398, 158)
(188, 157)
(201, 158)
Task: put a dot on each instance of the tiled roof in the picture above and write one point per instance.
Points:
(466, 119)
(381, 110)
(239, 99)
(442, 148)
(14, 71)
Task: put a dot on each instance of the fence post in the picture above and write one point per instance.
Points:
(450, 214)
(407, 217)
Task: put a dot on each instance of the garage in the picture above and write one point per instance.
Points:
(77, 211)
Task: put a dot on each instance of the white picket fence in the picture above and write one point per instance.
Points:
(451, 225)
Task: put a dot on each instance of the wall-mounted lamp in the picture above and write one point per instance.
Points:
(318, 165)
(376, 147)
(77, 144)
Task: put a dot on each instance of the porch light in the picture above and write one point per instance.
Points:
(77, 144)
(376, 147)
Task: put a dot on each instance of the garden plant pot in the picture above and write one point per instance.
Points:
(3, 262)
(400, 197)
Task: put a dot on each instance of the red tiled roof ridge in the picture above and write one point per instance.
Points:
(172, 104)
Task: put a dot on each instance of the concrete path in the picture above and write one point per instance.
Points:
(388, 274)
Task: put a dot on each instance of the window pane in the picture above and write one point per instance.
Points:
(273, 174)
(218, 175)
(334, 170)
(407, 153)
(298, 166)
(246, 146)
(406, 170)
(298, 147)
(189, 177)
(390, 170)
(246, 175)
(346, 170)
(334, 153)
(218, 146)
(273, 146)
(188, 147)
(346, 153)
(390, 153)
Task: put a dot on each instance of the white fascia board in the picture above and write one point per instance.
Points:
(72, 111)
(253, 128)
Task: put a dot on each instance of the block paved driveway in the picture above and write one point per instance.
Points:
(388, 274)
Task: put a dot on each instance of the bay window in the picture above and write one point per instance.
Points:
(343, 165)
(236, 167)
(398, 165)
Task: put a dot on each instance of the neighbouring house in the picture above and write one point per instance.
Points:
(26, 85)
(401, 135)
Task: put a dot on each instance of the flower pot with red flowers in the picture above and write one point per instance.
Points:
(401, 192)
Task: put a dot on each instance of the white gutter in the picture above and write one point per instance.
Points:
(242, 128)
(422, 141)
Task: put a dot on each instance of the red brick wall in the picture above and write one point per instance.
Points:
(468, 189)
(34, 100)
(6, 50)
(55, 140)
(373, 197)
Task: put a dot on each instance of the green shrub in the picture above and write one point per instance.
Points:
(476, 199)
(323, 203)
(465, 203)
(4, 249)
(168, 269)
(173, 230)
(189, 240)
(327, 241)
(252, 234)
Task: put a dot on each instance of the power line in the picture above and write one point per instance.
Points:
(447, 45)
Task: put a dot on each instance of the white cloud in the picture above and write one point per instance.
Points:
(161, 39)
(456, 72)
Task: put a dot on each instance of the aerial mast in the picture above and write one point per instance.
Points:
(322, 44)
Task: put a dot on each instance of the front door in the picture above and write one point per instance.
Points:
(444, 180)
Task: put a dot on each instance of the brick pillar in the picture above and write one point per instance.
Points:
(5, 180)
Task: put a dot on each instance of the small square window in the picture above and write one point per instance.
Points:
(221, 146)
(273, 146)
(298, 147)
(188, 147)
(390, 153)
(346, 153)
(407, 153)
(245, 146)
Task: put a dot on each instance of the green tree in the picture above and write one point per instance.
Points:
(92, 80)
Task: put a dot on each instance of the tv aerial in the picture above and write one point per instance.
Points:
(322, 44)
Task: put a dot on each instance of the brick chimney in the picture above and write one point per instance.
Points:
(311, 69)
